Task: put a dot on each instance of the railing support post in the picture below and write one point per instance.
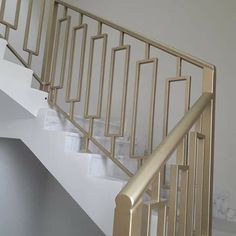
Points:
(128, 221)
(48, 51)
(208, 120)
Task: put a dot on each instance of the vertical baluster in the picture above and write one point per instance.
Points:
(65, 11)
(8, 25)
(29, 62)
(199, 184)
(99, 28)
(81, 17)
(53, 86)
(27, 29)
(68, 98)
(120, 133)
(121, 41)
(173, 202)
(90, 133)
(7, 32)
(162, 219)
(147, 51)
(191, 184)
(182, 145)
(49, 45)
(113, 146)
(183, 202)
(198, 125)
(2, 10)
(101, 80)
(153, 61)
(72, 109)
(32, 52)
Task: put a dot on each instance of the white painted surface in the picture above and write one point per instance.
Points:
(221, 233)
(95, 196)
(103, 167)
(32, 202)
(62, 215)
(224, 226)
(22, 186)
(15, 82)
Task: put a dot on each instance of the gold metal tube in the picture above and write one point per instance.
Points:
(16, 18)
(173, 202)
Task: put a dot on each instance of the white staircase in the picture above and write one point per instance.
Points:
(25, 115)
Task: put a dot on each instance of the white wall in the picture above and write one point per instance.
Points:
(22, 182)
(32, 202)
(220, 233)
(62, 215)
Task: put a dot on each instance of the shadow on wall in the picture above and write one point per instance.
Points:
(32, 201)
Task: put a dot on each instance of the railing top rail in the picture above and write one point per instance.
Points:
(162, 46)
(139, 183)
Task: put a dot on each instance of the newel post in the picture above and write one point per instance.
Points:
(128, 218)
(208, 126)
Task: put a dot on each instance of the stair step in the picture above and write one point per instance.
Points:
(14, 75)
(103, 167)
(54, 121)
(72, 142)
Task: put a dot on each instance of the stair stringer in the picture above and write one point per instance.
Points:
(96, 196)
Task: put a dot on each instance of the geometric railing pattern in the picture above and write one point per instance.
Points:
(97, 72)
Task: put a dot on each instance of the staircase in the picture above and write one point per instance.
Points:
(93, 117)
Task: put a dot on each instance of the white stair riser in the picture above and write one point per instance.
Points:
(73, 143)
(105, 168)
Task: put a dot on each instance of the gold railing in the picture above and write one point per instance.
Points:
(187, 208)
(63, 59)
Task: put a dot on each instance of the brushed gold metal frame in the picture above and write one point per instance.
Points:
(71, 63)
(187, 80)
(101, 79)
(14, 26)
(17, 13)
(153, 61)
(39, 33)
(66, 19)
(125, 48)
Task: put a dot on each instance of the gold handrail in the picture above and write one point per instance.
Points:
(138, 184)
(133, 216)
